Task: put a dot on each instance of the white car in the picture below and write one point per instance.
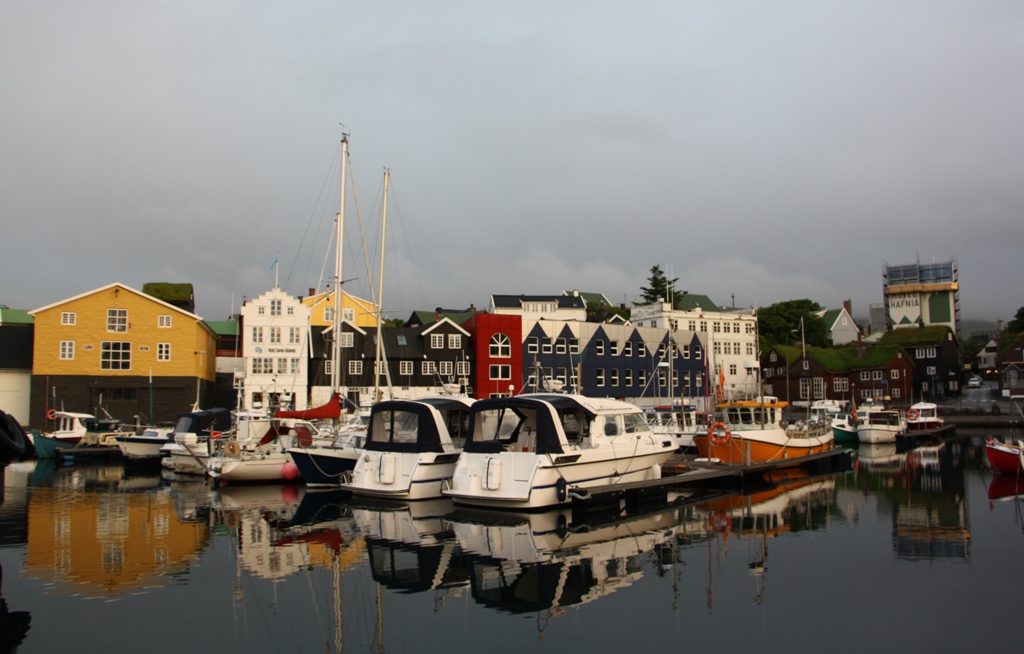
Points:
(974, 382)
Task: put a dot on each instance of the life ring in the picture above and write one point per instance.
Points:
(51, 414)
(720, 523)
(913, 414)
(717, 438)
(914, 459)
(232, 448)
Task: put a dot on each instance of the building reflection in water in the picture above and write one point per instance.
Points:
(91, 530)
(923, 490)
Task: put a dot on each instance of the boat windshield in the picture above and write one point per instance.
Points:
(394, 427)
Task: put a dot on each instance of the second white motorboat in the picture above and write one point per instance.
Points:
(535, 450)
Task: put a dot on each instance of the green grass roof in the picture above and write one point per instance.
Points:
(223, 327)
(168, 292)
(15, 317)
(842, 359)
(691, 302)
(916, 335)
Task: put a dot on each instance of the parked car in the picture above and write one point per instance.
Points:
(974, 382)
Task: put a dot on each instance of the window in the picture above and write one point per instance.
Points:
(574, 346)
(436, 341)
(545, 345)
(692, 325)
(924, 353)
(732, 368)
(67, 318)
(750, 328)
(600, 377)
(328, 367)
(627, 349)
(355, 367)
(806, 365)
(163, 351)
(703, 325)
(405, 368)
(896, 392)
(348, 313)
(641, 350)
(599, 346)
(930, 370)
(675, 378)
(348, 339)
(163, 321)
(717, 327)
(894, 374)
(876, 374)
(627, 376)
(454, 341)
(117, 320)
(115, 355)
(686, 351)
(560, 346)
(560, 375)
(257, 334)
(275, 307)
(616, 347)
(750, 349)
(328, 314)
(282, 366)
(291, 311)
(531, 345)
(805, 388)
(293, 335)
(661, 351)
(67, 350)
(501, 347)
(736, 328)
(840, 384)
(865, 375)
(444, 368)
(697, 352)
(819, 388)
(615, 376)
(428, 368)
(275, 334)
(293, 366)
(641, 377)
(772, 357)
(503, 371)
(718, 347)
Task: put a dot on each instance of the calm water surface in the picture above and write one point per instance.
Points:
(912, 552)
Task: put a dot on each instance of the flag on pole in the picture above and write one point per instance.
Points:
(276, 259)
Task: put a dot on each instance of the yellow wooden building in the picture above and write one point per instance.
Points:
(359, 312)
(118, 350)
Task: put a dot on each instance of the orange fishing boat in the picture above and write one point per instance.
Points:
(753, 431)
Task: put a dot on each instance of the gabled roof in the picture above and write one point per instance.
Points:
(223, 327)
(691, 302)
(15, 317)
(432, 326)
(426, 317)
(909, 336)
(590, 298)
(125, 287)
(516, 301)
(843, 359)
(830, 316)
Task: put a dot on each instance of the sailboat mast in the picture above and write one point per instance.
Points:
(339, 251)
(380, 290)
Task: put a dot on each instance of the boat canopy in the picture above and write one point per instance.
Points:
(403, 426)
(501, 422)
(203, 422)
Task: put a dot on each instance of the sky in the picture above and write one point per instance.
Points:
(758, 152)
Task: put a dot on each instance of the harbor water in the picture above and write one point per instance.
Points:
(919, 551)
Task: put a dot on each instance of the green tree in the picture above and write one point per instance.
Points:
(1017, 324)
(659, 288)
(779, 324)
(602, 312)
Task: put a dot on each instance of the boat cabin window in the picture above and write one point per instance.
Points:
(623, 423)
(503, 425)
(394, 427)
(457, 424)
(575, 425)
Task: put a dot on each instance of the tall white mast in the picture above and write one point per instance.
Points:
(380, 294)
(339, 250)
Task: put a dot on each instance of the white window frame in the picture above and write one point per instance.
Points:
(463, 368)
(275, 307)
(117, 321)
(294, 335)
(163, 351)
(348, 314)
(257, 334)
(428, 368)
(437, 341)
(500, 371)
(121, 362)
(163, 322)
(67, 350)
(68, 318)
(347, 339)
(454, 341)
(275, 335)
(500, 347)
(355, 367)
(444, 368)
(405, 368)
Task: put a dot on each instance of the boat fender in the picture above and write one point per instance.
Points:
(232, 448)
(51, 414)
(719, 434)
(562, 528)
(12, 438)
(561, 489)
(913, 414)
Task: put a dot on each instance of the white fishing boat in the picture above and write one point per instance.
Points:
(146, 445)
(881, 426)
(924, 416)
(535, 450)
(411, 448)
(256, 449)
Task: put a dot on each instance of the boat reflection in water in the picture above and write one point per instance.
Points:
(91, 531)
(411, 546)
(923, 490)
(543, 562)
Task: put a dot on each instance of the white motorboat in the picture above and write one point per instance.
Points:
(411, 448)
(192, 444)
(536, 450)
(146, 445)
(676, 422)
(256, 450)
(881, 426)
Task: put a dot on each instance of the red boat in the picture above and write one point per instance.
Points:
(1003, 457)
(1005, 486)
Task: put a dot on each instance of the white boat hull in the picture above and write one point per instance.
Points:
(249, 467)
(185, 461)
(137, 447)
(401, 475)
(877, 433)
(528, 481)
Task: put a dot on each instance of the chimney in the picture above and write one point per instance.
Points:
(437, 314)
(848, 306)
(312, 291)
(472, 308)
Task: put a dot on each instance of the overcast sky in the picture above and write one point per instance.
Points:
(766, 150)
